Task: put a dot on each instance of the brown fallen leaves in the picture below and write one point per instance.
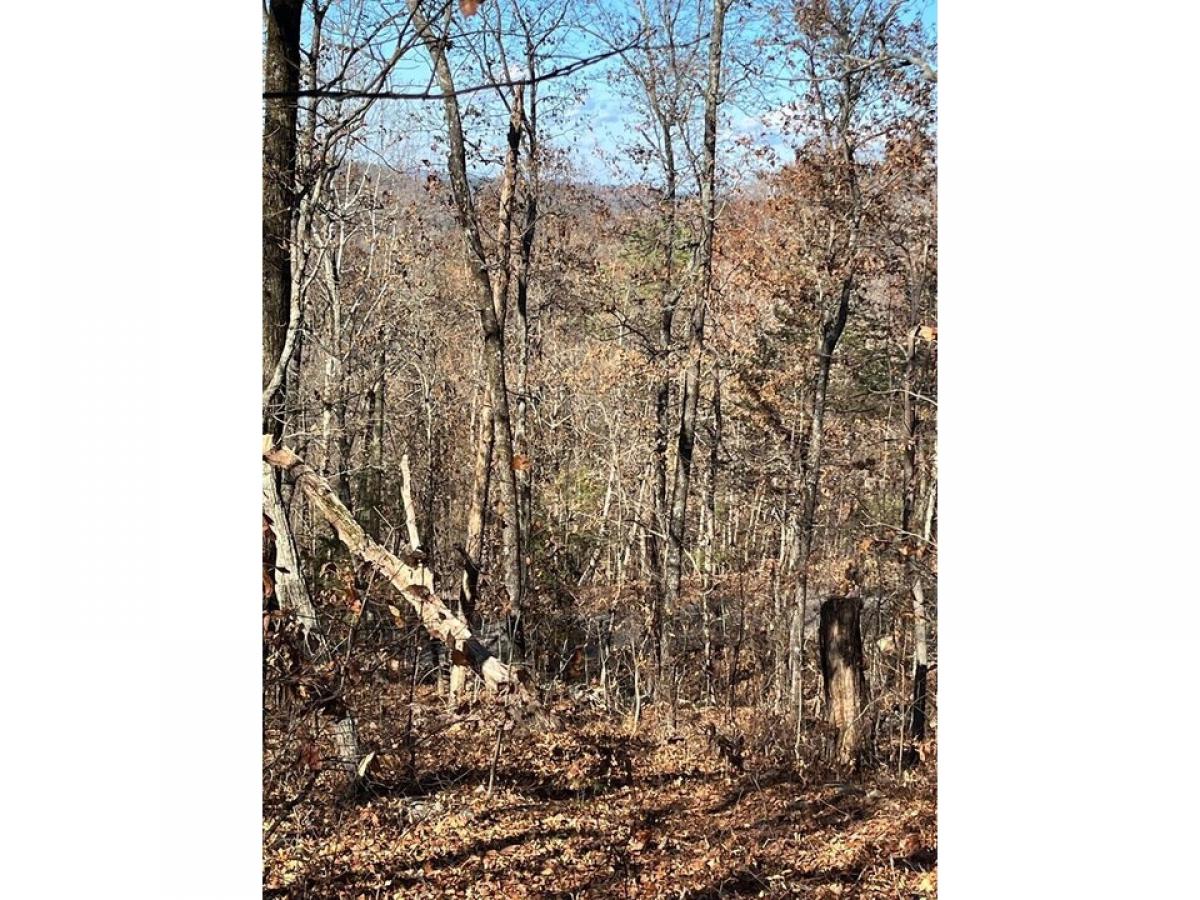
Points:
(566, 819)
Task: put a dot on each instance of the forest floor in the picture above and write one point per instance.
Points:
(590, 810)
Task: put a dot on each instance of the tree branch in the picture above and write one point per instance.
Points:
(560, 72)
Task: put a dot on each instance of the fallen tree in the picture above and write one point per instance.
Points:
(414, 581)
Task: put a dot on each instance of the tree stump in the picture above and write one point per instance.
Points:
(845, 681)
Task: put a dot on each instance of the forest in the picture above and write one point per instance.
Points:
(599, 452)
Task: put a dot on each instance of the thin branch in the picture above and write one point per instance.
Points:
(560, 72)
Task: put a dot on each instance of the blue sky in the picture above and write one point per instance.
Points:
(613, 124)
(592, 122)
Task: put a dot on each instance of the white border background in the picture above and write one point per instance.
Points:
(1068, 318)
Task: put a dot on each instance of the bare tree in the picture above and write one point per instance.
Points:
(663, 72)
(852, 103)
(691, 385)
(492, 292)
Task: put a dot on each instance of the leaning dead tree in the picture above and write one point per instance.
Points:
(414, 581)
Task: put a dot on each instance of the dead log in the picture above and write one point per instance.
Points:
(414, 582)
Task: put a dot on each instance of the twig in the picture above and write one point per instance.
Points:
(495, 758)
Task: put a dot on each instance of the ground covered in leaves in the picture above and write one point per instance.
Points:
(590, 810)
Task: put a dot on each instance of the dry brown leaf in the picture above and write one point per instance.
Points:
(311, 756)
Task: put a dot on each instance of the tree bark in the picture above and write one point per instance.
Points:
(845, 680)
(917, 721)
(290, 590)
(911, 424)
(281, 72)
(371, 481)
(685, 445)
(410, 507)
(654, 517)
(477, 513)
(710, 536)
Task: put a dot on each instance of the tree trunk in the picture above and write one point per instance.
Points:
(657, 514)
(292, 596)
(845, 681)
(371, 481)
(433, 461)
(911, 423)
(410, 508)
(685, 445)
(655, 508)
(921, 633)
(676, 531)
(920, 665)
(525, 265)
(281, 72)
(710, 536)
(512, 534)
(472, 552)
(290, 590)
